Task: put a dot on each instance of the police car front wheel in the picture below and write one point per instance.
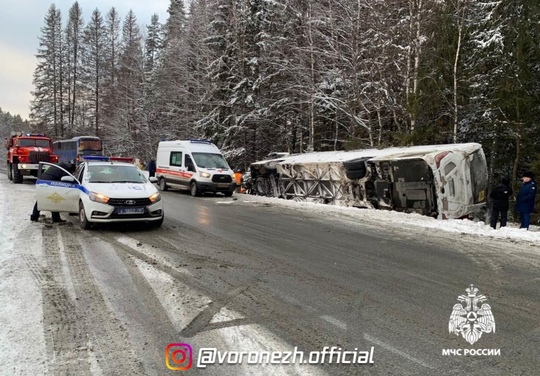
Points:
(85, 225)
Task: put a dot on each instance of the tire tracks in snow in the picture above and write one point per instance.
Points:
(65, 336)
(82, 336)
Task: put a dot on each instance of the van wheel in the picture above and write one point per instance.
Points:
(162, 185)
(193, 189)
(228, 193)
(85, 225)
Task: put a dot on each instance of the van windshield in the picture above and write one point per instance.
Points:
(209, 160)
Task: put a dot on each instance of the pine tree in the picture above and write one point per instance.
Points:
(126, 122)
(110, 70)
(173, 74)
(74, 35)
(45, 106)
(153, 44)
(218, 119)
(94, 63)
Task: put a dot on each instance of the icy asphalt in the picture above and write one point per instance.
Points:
(253, 274)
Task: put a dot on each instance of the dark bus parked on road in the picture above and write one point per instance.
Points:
(72, 151)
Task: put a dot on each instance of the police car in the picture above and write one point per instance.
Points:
(102, 191)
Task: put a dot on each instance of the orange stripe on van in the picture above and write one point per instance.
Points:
(174, 173)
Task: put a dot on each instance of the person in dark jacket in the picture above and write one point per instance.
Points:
(152, 168)
(53, 174)
(500, 196)
(525, 199)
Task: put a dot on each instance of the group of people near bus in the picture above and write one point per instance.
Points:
(500, 197)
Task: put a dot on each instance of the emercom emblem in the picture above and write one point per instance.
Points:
(471, 321)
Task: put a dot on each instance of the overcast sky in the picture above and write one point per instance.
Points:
(20, 27)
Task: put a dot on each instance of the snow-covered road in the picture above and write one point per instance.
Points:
(109, 302)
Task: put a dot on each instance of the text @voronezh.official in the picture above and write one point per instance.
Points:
(179, 356)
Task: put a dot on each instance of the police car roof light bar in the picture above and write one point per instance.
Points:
(100, 158)
(121, 159)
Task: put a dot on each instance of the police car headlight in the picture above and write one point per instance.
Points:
(204, 174)
(155, 197)
(98, 197)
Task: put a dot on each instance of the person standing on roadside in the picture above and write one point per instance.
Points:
(525, 199)
(152, 168)
(500, 196)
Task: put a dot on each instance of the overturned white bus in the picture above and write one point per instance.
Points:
(443, 181)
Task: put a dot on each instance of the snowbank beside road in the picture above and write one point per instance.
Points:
(22, 339)
(408, 222)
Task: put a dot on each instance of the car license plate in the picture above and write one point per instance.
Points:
(223, 185)
(130, 210)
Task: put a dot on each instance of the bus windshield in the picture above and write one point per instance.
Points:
(479, 176)
(90, 145)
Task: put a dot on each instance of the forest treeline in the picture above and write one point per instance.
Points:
(257, 76)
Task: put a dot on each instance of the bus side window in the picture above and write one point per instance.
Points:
(449, 168)
(452, 187)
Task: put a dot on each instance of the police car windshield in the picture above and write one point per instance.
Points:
(209, 160)
(114, 174)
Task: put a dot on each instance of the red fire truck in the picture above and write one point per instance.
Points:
(24, 152)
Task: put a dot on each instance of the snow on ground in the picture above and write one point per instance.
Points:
(388, 153)
(403, 220)
(22, 339)
(22, 343)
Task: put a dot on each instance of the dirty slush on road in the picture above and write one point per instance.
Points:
(109, 301)
(112, 302)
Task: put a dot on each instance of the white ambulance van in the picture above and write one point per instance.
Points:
(197, 165)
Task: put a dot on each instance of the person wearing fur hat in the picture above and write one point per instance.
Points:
(525, 199)
(499, 197)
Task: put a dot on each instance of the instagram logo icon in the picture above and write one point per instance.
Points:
(178, 356)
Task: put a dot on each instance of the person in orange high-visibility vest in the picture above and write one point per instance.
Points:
(238, 180)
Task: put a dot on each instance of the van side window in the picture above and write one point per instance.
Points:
(189, 164)
(176, 158)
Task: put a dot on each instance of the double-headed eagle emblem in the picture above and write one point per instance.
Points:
(470, 320)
